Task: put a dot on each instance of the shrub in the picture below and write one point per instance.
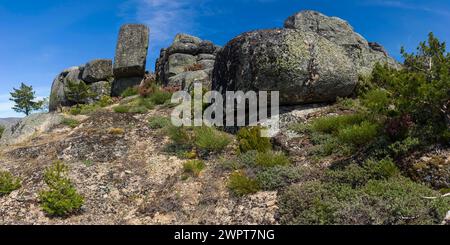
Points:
(139, 105)
(211, 140)
(282, 176)
(61, 198)
(8, 183)
(242, 185)
(158, 122)
(72, 123)
(271, 159)
(376, 101)
(122, 109)
(249, 138)
(193, 167)
(179, 135)
(333, 124)
(356, 175)
(131, 91)
(358, 135)
(2, 129)
(83, 109)
(159, 97)
(105, 101)
(396, 201)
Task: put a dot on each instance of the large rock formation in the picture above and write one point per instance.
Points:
(187, 60)
(96, 73)
(303, 66)
(363, 53)
(314, 59)
(131, 57)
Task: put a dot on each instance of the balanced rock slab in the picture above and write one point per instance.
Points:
(97, 70)
(131, 51)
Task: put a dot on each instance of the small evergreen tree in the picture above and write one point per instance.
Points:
(77, 92)
(24, 100)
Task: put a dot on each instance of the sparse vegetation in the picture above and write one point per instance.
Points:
(160, 97)
(139, 105)
(158, 122)
(211, 140)
(78, 92)
(250, 139)
(271, 159)
(61, 199)
(116, 131)
(240, 184)
(131, 91)
(70, 122)
(8, 183)
(193, 168)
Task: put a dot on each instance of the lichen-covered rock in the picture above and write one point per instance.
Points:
(100, 89)
(131, 51)
(364, 54)
(29, 126)
(97, 70)
(187, 54)
(186, 79)
(57, 94)
(303, 66)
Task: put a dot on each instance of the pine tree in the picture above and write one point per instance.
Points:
(77, 92)
(24, 100)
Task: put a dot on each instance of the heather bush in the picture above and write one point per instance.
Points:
(249, 138)
(8, 183)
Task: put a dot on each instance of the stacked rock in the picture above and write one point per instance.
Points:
(131, 57)
(187, 60)
(96, 73)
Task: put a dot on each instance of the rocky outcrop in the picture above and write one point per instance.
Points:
(29, 126)
(97, 74)
(363, 53)
(315, 58)
(303, 66)
(131, 57)
(187, 60)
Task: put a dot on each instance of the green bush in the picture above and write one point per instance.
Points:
(281, 176)
(397, 201)
(61, 198)
(160, 97)
(193, 168)
(358, 135)
(376, 101)
(83, 109)
(249, 138)
(356, 175)
(180, 135)
(138, 105)
(2, 129)
(105, 101)
(72, 123)
(211, 140)
(158, 122)
(131, 91)
(122, 109)
(271, 159)
(332, 124)
(240, 184)
(8, 183)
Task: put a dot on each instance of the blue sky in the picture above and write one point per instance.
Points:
(38, 39)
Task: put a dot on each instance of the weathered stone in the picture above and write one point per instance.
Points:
(131, 51)
(303, 66)
(206, 64)
(184, 48)
(338, 31)
(178, 62)
(185, 38)
(206, 57)
(100, 89)
(186, 79)
(29, 126)
(207, 47)
(121, 84)
(97, 70)
(57, 94)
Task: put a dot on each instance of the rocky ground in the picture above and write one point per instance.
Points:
(127, 178)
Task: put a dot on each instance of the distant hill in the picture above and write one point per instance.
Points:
(8, 121)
